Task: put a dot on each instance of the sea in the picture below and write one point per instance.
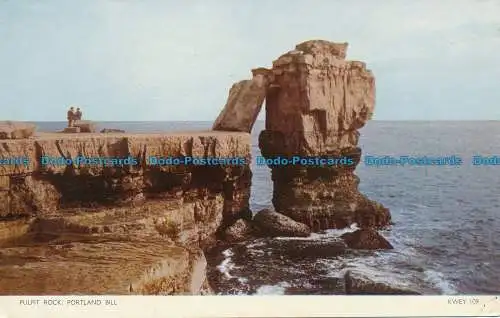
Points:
(446, 231)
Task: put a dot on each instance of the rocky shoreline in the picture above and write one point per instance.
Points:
(145, 229)
(87, 223)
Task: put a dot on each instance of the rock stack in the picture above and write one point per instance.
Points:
(316, 101)
(315, 104)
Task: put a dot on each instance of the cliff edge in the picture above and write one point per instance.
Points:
(315, 104)
(128, 228)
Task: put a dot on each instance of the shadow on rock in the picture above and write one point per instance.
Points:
(359, 285)
(308, 248)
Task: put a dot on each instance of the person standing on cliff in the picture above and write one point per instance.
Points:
(71, 116)
(79, 114)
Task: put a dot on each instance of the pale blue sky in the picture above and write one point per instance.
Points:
(175, 60)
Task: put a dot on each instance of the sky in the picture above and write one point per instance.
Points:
(176, 60)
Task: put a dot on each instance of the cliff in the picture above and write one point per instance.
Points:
(133, 228)
(315, 104)
(139, 228)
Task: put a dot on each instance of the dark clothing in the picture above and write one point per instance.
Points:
(71, 118)
(78, 115)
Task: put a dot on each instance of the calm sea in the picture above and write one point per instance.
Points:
(447, 229)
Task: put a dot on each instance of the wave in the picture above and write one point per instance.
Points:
(437, 279)
(278, 289)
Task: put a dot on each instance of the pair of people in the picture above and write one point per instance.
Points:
(73, 115)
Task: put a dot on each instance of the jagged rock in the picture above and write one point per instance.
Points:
(16, 130)
(206, 289)
(30, 196)
(111, 130)
(85, 185)
(86, 126)
(240, 231)
(272, 223)
(71, 130)
(310, 248)
(101, 266)
(244, 103)
(319, 286)
(358, 285)
(66, 218)
(70, 216)
(315, 104)
(366, 239)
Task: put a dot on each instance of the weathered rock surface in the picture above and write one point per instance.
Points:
(86, 126)
(125, 249)
(356, 284)
(187, 222)
(16, 130)
(270, 223)
(111, 130)
(366, 239)
(134, 227)
(315, 104)
(312, 249)
(240, 231)
(244, 103)
(71, 130)
(28, 194)
(33, 187)
(88, 265)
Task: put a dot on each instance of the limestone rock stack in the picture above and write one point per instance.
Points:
(244, 103)
(315, 103)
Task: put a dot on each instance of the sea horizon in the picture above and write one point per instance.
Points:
(263, 120)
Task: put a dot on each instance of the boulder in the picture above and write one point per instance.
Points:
(366, 239)
(244, 103)
(358, 285)
(315, 104)
(273, 224)
(315, 47)
(241, 230)
(16, 130)
(111, 130)
(318, 286)
(86, 126)
(71, 130)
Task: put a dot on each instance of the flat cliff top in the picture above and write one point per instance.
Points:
(203, 133)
